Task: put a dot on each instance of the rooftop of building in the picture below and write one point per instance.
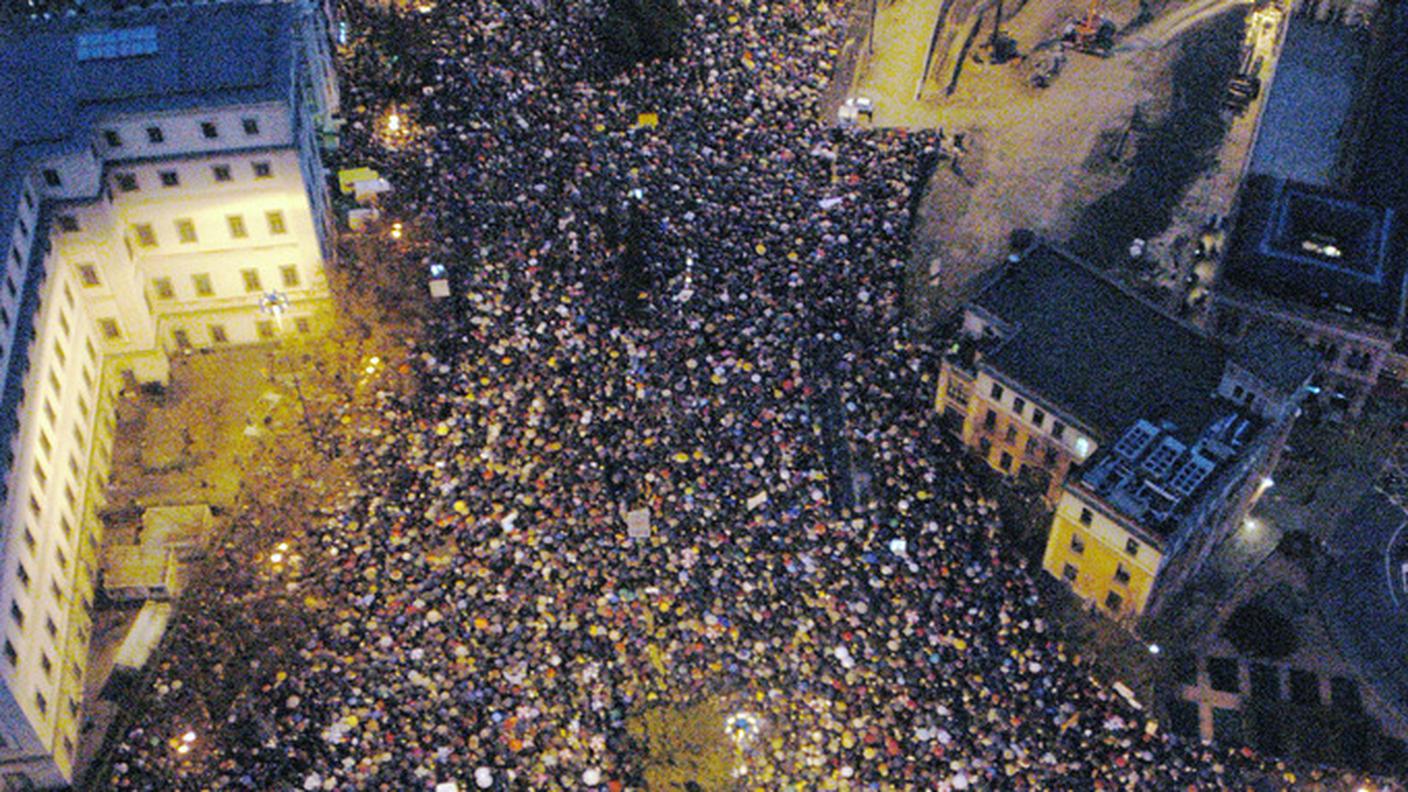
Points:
(1309, 102)
(1312, 246)
(1153, 477)
(1096, 351)
(1276, 357)
(66, 73)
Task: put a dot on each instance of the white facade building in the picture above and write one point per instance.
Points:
(159, 179)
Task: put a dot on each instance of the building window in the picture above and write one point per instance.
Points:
(126, 182)
(51, 178)
(1121, 575)
(17, 613)
(113, 139)
(45, 663)
(1038, 417)
(186, 230)
(221, 172)
(1131, 547)
(289, 274)
(146, 236)
(155, 135)
(263, 170)
(997, 391)
(1057, 429)
(29, 540)
(109, 329)
(1086, 516)
(251, 125)
(161, 287)
(1113, 601)
(209, 130)
(1006, 461)
(181, 338)
(10, 653)
(217, 334)
(1077, 544)
(1011, 433)
(276, 223)
(1018, 405)
(237, 228)
(1050, 457)
(170, 179)
(265, 328)
(251, 280)
(41, 702)
(1069, 573)
(302, 325)
(201, 282)
(68, 224)
(23, 575)
(990, 420)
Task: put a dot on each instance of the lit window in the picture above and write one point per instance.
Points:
(186, 230)
(237, 228)
(276, 223)
(146, 237)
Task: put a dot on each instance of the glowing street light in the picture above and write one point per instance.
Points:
(743, 727)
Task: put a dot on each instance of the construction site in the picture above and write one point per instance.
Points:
(1119, 126)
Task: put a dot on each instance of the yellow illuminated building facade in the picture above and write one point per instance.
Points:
(1104, 557)
(161, 190)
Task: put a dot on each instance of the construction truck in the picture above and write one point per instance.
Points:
(1092, 34)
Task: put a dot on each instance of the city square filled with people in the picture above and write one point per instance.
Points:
(698, 313)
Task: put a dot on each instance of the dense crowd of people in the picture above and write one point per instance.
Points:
(698, 316)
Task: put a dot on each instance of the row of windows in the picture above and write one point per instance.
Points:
(209, 130)
(146, 237)
(128, 182)
(1131, 546)
(1113, 600)
(265, 328)
(1019, 406)
(201, 283)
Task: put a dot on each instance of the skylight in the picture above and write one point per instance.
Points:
(119, 43)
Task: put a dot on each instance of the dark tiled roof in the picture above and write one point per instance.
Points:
(1276, 357)
(1098, 353)
(1266, 255)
